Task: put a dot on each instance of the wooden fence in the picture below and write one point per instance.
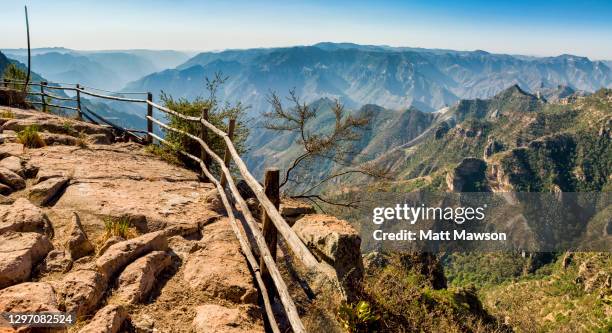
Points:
(267, 274)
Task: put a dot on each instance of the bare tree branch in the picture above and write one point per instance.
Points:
(334, 145)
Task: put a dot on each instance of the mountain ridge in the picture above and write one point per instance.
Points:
(359, 75)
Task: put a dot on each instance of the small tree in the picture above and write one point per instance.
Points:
(335, 146)
(14, 73)
(219, 114)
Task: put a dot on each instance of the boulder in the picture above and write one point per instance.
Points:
(109, 319)
(109, 242)
(219, 269)
(19, 254)
(213, 200)
(293, 209)
(182, 246)
(14, 164)
(82, 290)
(99, 139)
(25, 217)
(56, 261)
(8, 177)
(117, 256)
(30, 170)
(43, 192)
(47, 174)
(78, 245)
(5, 189)
(336, 242)
(29, 297)
(219, 319)
(139, 277)
(54, 139)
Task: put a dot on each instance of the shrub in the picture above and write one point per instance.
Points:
(118, 227)
(7, 114)
(14, 73)
(30, 138)
(166, 153)
(358, 317)
(219, 114)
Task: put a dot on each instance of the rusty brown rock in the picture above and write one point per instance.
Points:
(109, 319)
(119, 255)
(219, 319)
(43, 192)
(29, 297)
(78, 244)
(14, 164)
(139, 277)
(219, 269)
(56, 261)
(82, 290)
(9, 178)
(19, 254)
(25, 217)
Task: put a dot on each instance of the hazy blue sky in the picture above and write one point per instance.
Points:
(519, 26)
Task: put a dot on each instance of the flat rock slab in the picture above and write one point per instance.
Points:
(219, 319)
(43, 192)
(23, 216)
(29, 297)
(220, 269)
(19, 253)
(109, 319)
(119, 255)
(139, 277)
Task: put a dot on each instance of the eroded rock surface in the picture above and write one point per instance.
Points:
(115, 182)
(109, 319)
(78, 244)
(23, 216)
(119, 255)
(82, 290)
(43, 192)
(219, 269)
(19, 254)
(139, 277)
(220, 319)
(29, 297)
(11, 179)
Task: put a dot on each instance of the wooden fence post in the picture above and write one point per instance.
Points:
(271, 188)
(227, 155)
(149, 121)
(6, 83)
(78, 95)
(204, 136)
(42, 96)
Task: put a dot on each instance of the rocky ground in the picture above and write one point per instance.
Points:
(177, 268)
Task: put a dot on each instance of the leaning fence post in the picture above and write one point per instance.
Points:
(42, 96)
(78, 100)
(149, 121)
(227, 155)
(204, 136)
(271, 188)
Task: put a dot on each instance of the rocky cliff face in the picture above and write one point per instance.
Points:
(128, 242)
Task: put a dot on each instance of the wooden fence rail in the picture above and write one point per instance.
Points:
(267, 274)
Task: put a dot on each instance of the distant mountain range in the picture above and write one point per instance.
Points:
(109, 70)
(392, 77)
